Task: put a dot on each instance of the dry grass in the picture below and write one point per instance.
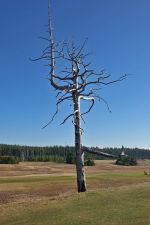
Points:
(35, 168)
(50, 168)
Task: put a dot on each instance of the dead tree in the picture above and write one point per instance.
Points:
(75, 82)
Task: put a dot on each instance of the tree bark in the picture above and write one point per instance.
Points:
(81, 183)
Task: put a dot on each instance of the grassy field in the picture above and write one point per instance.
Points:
(45, 194)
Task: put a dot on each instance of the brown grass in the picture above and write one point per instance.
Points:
(40, 168)
(35, 168)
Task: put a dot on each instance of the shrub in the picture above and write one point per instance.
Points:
(70, 159)
(9, 160)
(145, 173)
(89, 162)
(126, 161)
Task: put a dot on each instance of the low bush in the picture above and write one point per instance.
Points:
(146, 173)
(126, 161)
(89, 162)
(9, 160)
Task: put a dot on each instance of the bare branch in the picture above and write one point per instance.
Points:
(43, 38)
(52, 62)
(81, 47)
(84, 97)
(82, 118)
(106, 103)
(63, 78)
(93, 151)
(59, 92)
(100, 82)
(72, 114)
(88, 99)
(60, 100)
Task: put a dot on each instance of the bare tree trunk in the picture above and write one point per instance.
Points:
(81, 183)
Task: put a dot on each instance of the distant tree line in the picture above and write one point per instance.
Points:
(34, 153)
(60, 153)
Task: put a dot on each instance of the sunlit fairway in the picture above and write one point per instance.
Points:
(116, 195)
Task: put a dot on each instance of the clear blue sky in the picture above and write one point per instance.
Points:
(118, 34)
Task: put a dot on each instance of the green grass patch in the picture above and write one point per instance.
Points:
(32, 179)
(125, 207)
